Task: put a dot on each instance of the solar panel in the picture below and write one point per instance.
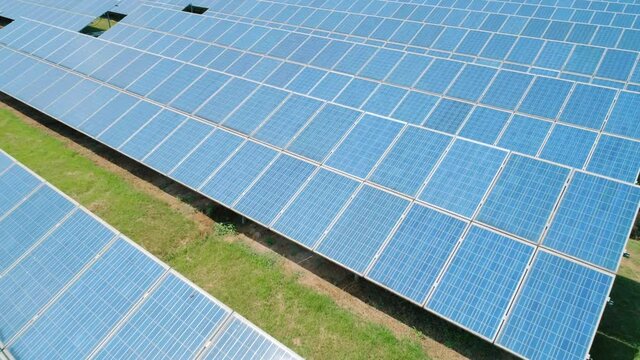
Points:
(486, 113)
(554, 280)
(72, 287)
(417, 251)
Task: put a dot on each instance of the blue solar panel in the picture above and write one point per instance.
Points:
(524, 134)
(507, 89)
(275, 187)
(153, 76)
(364, 145)
(617, 158)
(175, 84)
(448, 116)
(484, 124)
(416, 253)
(545, 98)
(471, 83)
(16, 183)
(238, 173)
(28, 286)
(384, 100)
(623, 118)
(568, 145)
(133, 70)
(617, 64)
(106, 116)
(5, 162)
(175, 147)
(524, 196)
(248, 116)
(463, 177)
(199, 91)
(116, 134)
(551, 281)
(411, 159)
(439, 76)
(78, 114)
(588, 106)
(478, 285)
(70, 97)
(415, 107)
(207, 157)
(314, 208)
(244, 342)
(356, 92)
(91, 306)
(31, 220)
(283, 125)
(360, 231)
(586, 226)
(174, 322)
(152, 133)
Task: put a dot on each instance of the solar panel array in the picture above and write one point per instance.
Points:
(72, 287)
(474, 157)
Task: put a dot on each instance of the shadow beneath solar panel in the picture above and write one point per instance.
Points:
(619, 332)
(619, 322)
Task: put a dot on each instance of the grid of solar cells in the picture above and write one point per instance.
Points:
(585, 225)
(37, 278)
(362, 228)
(75, 288)
(480, 281)
(242, 341)
(251, 59)
(532, 328)
(417, 251)
(182, 320)
(524, 196)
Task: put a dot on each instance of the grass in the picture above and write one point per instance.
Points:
(619, 332)
(254, 284)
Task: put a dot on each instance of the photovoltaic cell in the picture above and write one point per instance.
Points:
(616, 157)
(275, 187)
(281, 127)
(545, 98)
(626, 111)
(568, 145)
(129, 123)
(507, 89)
(178, 145)
(241, 341)
(175, 321)
(30, 221)
(524, 134)
(484, 124)
(416, 253)
(313, 209)
(248, 116)
(364, 145)
(411, 159)
(28, 286)
(16, 184)
(207, 157)
(463, 177)
(588, 106)
(238, 173)
(152, 134)
(524, 196)
(586, 226)
(481, 280)
(551, 281)
(360, 231)
(91, 306)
